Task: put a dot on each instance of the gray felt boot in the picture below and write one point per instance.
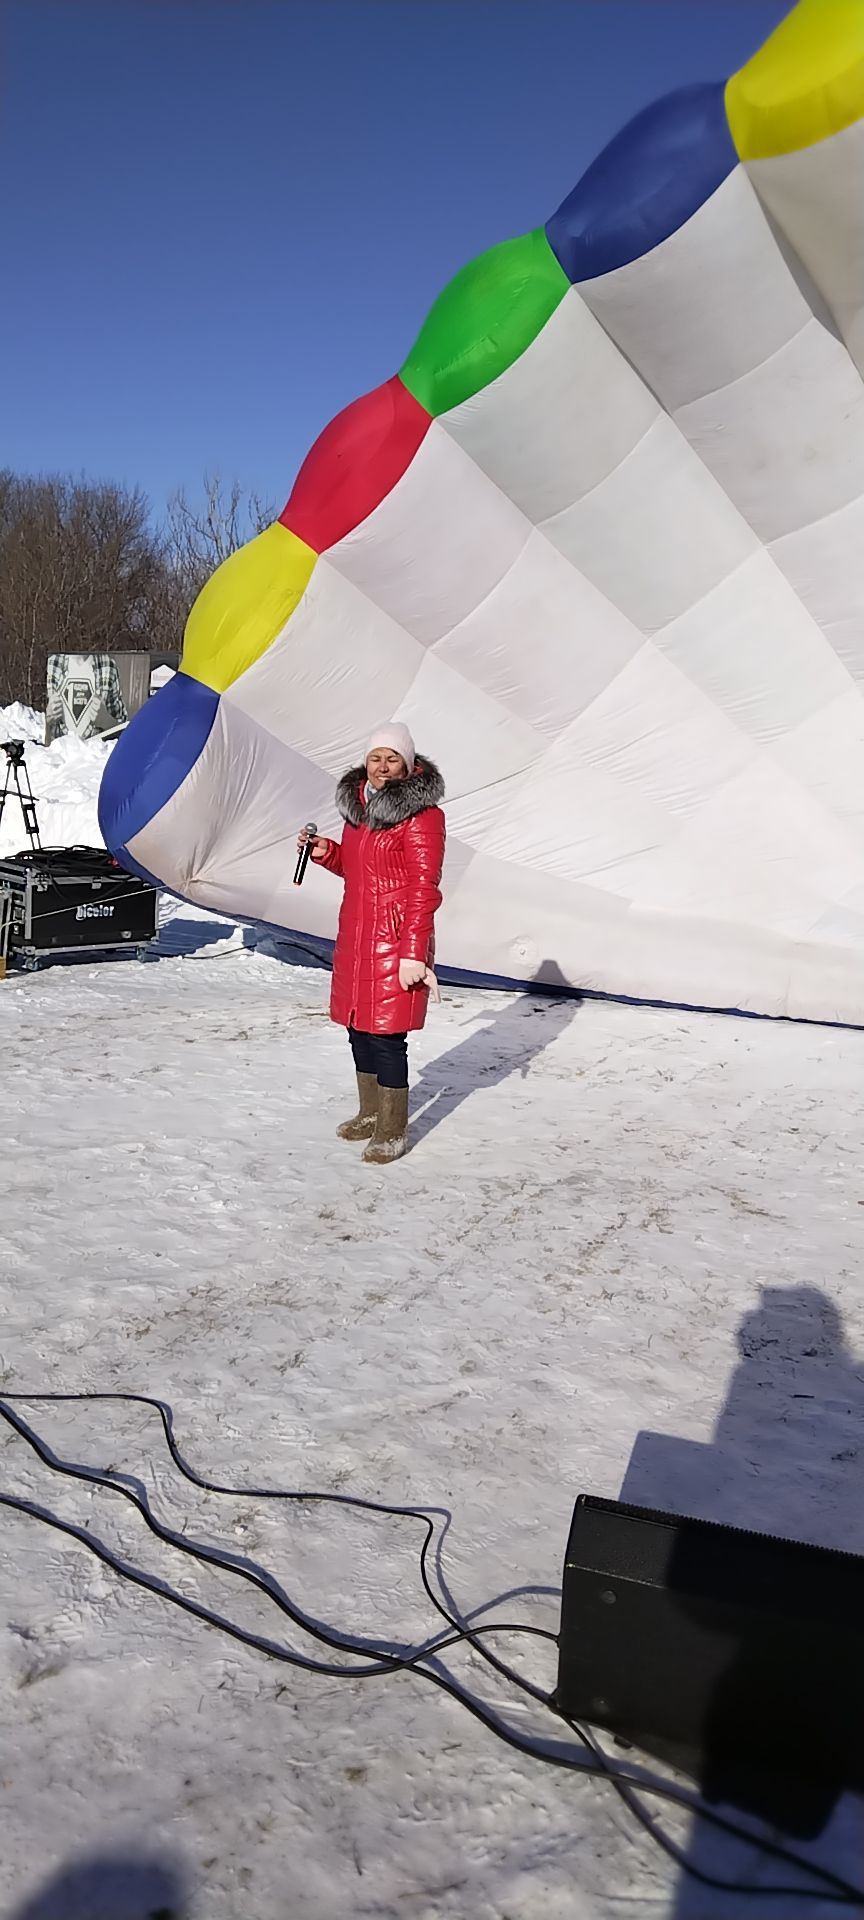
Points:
(365, 1120)
(391, 1133)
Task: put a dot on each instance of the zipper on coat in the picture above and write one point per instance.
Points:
(358, 948)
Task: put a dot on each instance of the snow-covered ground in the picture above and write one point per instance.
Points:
(625, 1251)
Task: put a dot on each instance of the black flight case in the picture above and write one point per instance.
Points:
(65, 900)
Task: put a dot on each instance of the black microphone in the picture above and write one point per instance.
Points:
(305, 852)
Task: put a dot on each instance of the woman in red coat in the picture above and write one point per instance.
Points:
(390, 859)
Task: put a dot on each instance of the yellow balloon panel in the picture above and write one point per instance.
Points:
(244, 605)
(806, 83)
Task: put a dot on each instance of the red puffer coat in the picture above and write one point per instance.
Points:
(390, 858)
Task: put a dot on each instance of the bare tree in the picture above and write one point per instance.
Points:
(199, 535)
(80, 572)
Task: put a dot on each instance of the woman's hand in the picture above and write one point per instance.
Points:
(319, 845)
(414, 974)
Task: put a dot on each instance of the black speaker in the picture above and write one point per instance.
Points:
(736, 1656)
(62, 900)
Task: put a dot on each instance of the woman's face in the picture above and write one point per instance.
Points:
(383, 765)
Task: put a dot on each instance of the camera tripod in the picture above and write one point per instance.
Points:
(17, 777)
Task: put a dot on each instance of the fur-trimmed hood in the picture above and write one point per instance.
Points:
(397, 802)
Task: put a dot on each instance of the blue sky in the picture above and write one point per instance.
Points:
(225, 219)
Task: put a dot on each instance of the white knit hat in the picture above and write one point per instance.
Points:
(395, 735)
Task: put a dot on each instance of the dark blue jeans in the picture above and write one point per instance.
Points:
(383, 1054)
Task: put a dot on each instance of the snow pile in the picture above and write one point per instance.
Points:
(21, 723)
(65, 778)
